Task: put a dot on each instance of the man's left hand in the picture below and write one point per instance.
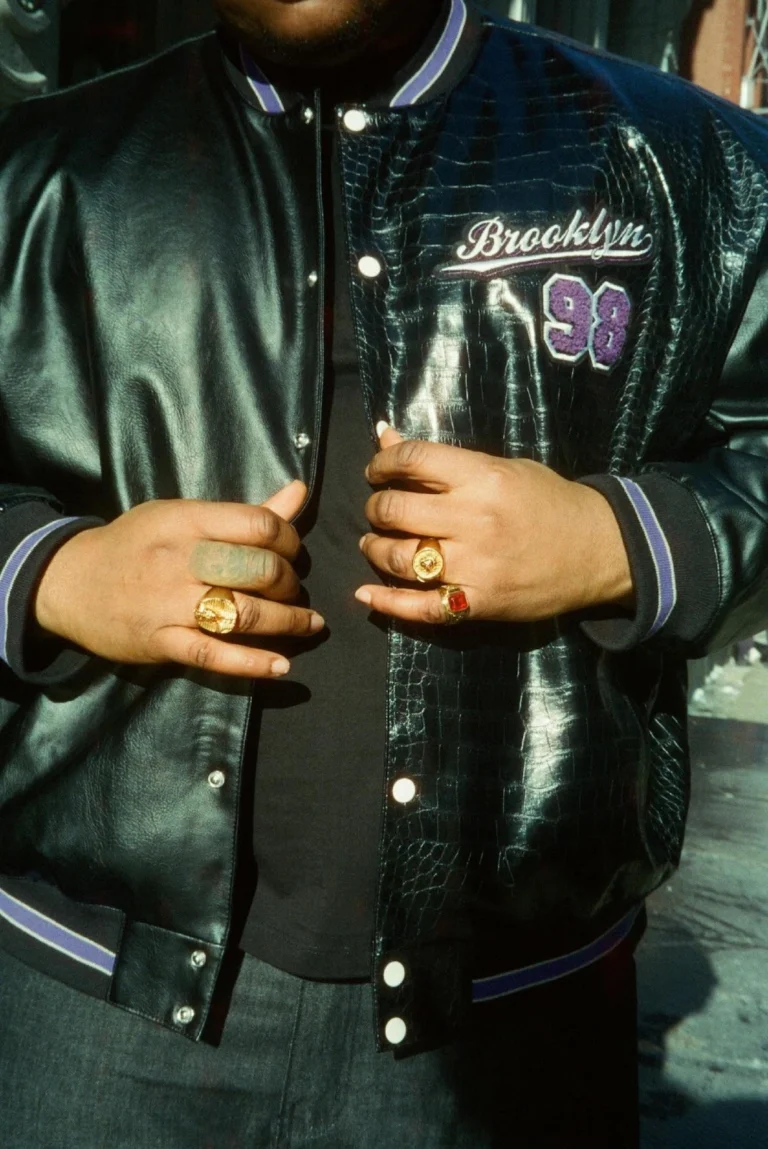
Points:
(522, 542)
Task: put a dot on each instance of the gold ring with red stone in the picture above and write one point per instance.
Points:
(428, 562)
(455, 604)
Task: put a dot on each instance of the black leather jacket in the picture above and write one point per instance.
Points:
(571, 250)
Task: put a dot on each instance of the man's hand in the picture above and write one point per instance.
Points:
(522, 542)
(127, 591)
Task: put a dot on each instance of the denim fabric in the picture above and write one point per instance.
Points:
(296, 1066)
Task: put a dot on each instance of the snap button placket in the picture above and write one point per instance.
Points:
(198, 959)
(355, 120)
(312, 279)
(216, 779)
(369, 266)
(403, 790)
(395, 1030)
(183, 1014)
(302, 440)
(393, 974)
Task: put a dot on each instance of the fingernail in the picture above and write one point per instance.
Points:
(381, 428)
(361, 544)
(363, 595)
(318, 622)
(280, 666)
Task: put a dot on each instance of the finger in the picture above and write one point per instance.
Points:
(413, 514)
(244, 568)
(387, 435)
(435, 465)
(195, 648)
(422, 606)
(245, 524)
(262, 616)
(395, 556)
(288, 501)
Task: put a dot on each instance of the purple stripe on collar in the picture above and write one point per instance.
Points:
(265, 93)
(660, 553)
(10, 572)
(58, 937)
(503, 984)
(432, 69)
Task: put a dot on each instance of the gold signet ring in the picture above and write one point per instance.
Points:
(428, 562)
(216, 612)
(454, 603)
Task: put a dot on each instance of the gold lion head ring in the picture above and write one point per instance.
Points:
(428, 563)
(216, 612)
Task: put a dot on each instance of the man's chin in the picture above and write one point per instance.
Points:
(310, 34)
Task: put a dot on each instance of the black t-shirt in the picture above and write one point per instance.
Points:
(319, 769)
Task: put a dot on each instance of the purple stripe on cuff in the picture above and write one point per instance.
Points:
(432, 69)
(503, 984)
(266, 93)
(58, 937)
(10, 572)
(660, 552)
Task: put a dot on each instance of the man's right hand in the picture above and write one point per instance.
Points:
(127, 591)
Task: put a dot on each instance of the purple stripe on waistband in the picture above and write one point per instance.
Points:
(53, 934)
(503, 984)
(10, 572)
(660, 552)
(440, 57)
(265, 93)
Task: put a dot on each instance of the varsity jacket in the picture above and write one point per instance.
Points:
(553, 254)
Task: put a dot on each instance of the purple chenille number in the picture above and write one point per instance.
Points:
(612, 310)
(568, 307)
(579, 320)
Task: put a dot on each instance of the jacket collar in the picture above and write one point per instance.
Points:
(442, 60)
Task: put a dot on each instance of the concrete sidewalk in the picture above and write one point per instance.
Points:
(703, 966)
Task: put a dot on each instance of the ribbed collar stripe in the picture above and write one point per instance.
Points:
(266, 93)
(412, 91)
(55, 935)
(439, 59)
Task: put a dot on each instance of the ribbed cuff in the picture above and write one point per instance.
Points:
(673, 561)
(30, 533)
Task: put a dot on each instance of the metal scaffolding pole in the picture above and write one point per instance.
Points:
(753, 84)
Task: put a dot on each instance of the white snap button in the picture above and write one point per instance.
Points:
(308, 115)
(355, 120)
(312, 278)
(216, 779)
(183, 1014)
(394, 974)
(395, 1030)
(369, 266)
(404, 790)
(302, 440)
(199, 958)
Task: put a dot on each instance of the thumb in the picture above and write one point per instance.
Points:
(388, 436)
(288, 501)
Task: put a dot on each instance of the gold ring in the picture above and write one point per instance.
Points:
(216, 612)
(428, 562)
(455, 604)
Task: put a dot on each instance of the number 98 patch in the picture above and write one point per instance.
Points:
(580, 321)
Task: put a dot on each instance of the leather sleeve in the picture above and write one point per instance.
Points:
(32, 527)
(696, 530)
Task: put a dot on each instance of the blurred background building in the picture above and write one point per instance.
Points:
(721, 44)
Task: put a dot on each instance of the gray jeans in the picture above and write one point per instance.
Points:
(296, 1066)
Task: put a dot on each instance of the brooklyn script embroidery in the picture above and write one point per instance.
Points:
(491, 247)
